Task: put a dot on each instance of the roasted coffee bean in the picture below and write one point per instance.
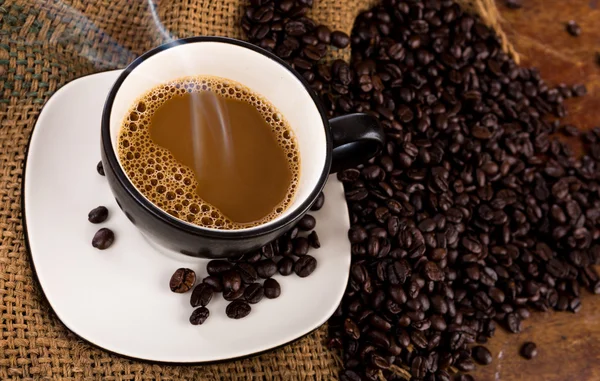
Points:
(237, 309)
(232, 281)
(254, 293)
(529, 350)
(218, 266)
(214, 282)
(199, 315)
(313, 240)
(340, 39)
(301, 246)
(98, 215)
(247, 272)
(285, 266)
(481, 354)
(182, 280)
(266, 268)
(201, 295)
(305, 266)
(103, 239)
(318, 204)
(307, 222)
(272, 289)
(100, 169)
(514, 4)
(231, 295)
(573, 28)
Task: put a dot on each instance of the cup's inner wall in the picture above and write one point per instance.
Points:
(250, 68)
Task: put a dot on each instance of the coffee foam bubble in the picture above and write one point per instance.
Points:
(171, 185)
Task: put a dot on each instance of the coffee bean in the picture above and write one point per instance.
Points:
(231, 295)
(103, 239)
(295, 28)
(199, 316)
(272, 288)
(301, 246)
(482, 355)
(254, 293)
(214, 282)
(573, 28)
(307, 222)
(247, 272)
(182, 280)
(232, 280)
(218, 266)
(340, 39)
(318, 204)
(285, 266)
(100, 169)
(98, 215)
(237, 309)
(529, 350)
(266, 268)
(201, 295)
(313, 240)
(514, 4)
(305, 266)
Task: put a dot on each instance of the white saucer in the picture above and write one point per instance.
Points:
(119, 299)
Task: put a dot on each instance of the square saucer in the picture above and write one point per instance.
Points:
(119, 299)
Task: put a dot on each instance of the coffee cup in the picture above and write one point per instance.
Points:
(325, 146)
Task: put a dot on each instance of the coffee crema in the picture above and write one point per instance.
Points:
(211, 152)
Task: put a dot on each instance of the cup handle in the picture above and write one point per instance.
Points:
(356, 139)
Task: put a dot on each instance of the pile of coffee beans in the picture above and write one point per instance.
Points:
(474, 214)
(239, 279)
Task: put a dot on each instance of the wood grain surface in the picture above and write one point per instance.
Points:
(568, 344)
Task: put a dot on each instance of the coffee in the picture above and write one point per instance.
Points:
(211, 152)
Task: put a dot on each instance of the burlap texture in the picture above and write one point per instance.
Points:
(45, 44)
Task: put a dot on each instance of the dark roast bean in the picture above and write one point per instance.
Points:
(231, 295)
(318, 204)
(272, 289)
(307, 222)
(339, 39)
(573, 28)
(100, 169)
(285, 266)
(214, 282)
(232, 280)
(482, 355)
(305, 266)
(514, 4)
(301, 246)
(323, 34)
(247, 272)
(254, 293)
(182, 280)
(199, 315)
(237, 309)
(98, 215)
(529, 350)
(313, 240)
(201, 295)
(103, 239)
(266, 268)
(218, 266)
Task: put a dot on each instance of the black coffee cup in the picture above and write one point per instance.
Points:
(325, 146)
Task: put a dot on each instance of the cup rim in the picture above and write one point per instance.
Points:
(154, 210)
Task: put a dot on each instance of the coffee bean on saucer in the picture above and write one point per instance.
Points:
(266, 268)
(285, 266)
(100, 168)
(272, 288)
(247, 272)
(201, 295)
(182, 280)
(529, 350)
(573, 28)
(103, 239)
(313, 240)
(238, 309)
(301, 246)
(305, 266)
(318, 204)
(234, 294)
(214, 282)
(514, 4)
(199, 315)
(307, 222)
(254, 293)
(481, 354)
(232, 281)
(98, 215)
(218, 266)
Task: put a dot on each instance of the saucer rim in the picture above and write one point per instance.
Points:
(47, 300)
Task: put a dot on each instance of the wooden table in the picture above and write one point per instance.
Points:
(568, 344)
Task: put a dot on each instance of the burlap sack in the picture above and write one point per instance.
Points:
(45, 44)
